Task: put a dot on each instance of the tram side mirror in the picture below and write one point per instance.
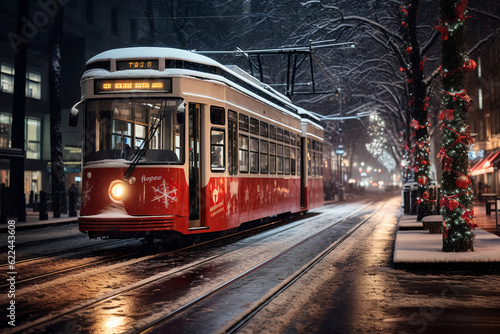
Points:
(181, 110)
(73, 114)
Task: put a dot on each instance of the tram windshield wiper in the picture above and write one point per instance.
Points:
(139, 154)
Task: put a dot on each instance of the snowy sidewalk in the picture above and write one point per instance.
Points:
(418, 249)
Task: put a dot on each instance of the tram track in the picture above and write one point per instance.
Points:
(157, 278)
(66, 251)
(238, 322)
(252, 311)
(122, 256)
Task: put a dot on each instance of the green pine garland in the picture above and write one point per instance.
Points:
(456, 204)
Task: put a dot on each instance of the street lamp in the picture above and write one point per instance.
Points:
(340, 152)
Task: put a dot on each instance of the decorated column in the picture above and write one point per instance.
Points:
(456, 204)
(418, 103)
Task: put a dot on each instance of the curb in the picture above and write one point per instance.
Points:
(20, 226)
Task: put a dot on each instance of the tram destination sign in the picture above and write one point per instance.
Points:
(144, 64)
(163, 85)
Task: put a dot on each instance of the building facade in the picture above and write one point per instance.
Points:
(87, 30)
(483, 85)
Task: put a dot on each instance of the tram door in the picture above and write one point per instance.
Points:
(194, 165)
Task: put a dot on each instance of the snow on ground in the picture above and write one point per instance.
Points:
(356, 289)
(301, 299)
(423, 247)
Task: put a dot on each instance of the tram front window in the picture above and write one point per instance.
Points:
(116, 129)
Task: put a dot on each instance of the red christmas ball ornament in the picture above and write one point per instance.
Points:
(419, 201)
(452, 204)
(409, 50)
(422, 180)
(415, 169)
(462, 182)
(425, 195)
(424, 162)
(470, 65)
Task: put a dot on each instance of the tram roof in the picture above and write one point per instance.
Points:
(189, 56)
(307, 116)
(153, 52)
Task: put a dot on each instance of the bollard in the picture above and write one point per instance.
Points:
(56, 209)
(64, 202)
(43, 215)
(72, 203)
(32, 198)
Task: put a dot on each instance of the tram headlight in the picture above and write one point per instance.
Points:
(118, 191)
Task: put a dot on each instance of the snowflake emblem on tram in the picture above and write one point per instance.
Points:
(163, 193)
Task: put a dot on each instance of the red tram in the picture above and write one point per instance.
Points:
(175, 142)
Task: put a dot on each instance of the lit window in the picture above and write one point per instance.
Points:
(32, 135)
(7, 78)
(5, 129)
(217, 150)
(243, 155)
(33, 138)
(33, 85)
(33, 82)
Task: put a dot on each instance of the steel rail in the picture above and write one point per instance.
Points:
(178, 311)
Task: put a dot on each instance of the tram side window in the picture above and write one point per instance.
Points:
(243, 153)
(279, 159)
(272, 132)
(264, 163)
(254, 155)
(243, 123)
(293, 161)
(309, 163)
(232, 143)
(286, 167)
(299, 154)
(272, 158)
(279, 134)
(217, 150)
(217, 115)
(254, 126)
(286, 137)
(263, 129)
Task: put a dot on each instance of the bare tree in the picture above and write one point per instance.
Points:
(56, 152)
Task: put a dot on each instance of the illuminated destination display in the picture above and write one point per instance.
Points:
(163, 85)
(137, 64)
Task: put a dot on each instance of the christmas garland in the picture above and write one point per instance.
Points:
(456, 202)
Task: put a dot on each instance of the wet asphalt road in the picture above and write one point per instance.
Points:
(362, 293)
